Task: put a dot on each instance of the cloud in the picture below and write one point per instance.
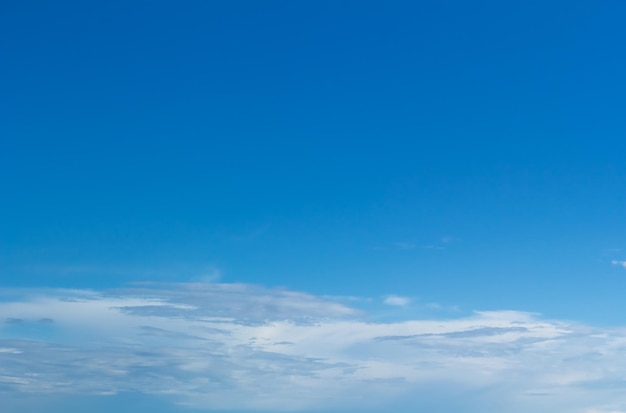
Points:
(210, 275)
(620, 263)
(404, 245)
(397, 301)
(245, 347)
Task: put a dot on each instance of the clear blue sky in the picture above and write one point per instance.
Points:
(440, 157)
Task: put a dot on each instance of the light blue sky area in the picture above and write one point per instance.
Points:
(379, 163)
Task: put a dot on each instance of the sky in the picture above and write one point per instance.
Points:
(312, 206)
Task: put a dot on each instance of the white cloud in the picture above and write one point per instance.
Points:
(620, 263)
(396, 300)
(243, 347)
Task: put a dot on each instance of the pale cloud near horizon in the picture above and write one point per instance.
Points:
(604, 411)
(238, 346)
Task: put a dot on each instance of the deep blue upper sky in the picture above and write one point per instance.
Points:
(466, 153)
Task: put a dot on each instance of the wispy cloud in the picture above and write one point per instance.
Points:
(619, 263)
(438, 245)
(604, 411)
(396, 300)
(404, 245)
(237, 346)
(209, 275)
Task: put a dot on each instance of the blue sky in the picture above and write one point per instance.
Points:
(356, 171)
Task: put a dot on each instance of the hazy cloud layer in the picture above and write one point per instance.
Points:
(235, 346)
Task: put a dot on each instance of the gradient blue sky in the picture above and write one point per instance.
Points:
(401, 160)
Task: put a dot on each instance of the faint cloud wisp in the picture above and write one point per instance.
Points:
(397, 301)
